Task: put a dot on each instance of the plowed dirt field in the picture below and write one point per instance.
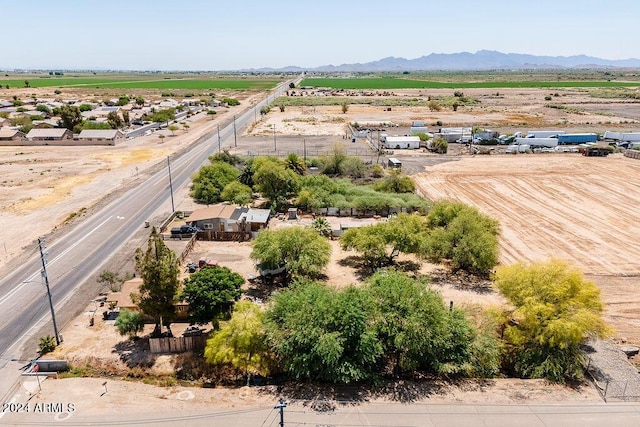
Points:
(580, 209)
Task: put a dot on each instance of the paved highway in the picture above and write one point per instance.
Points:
(83, 250)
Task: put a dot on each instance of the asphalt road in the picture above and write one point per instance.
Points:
(83, 250)
(363, 414)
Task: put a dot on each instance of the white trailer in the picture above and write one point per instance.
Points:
(631, 137)
(543, 133)
(517, 148)
(537, 142)
(402, 142)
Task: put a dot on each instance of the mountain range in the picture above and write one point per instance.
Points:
(481, 60)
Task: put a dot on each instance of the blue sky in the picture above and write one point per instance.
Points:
(228, 35)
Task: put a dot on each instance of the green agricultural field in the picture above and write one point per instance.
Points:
(401, 83)
(144, 82)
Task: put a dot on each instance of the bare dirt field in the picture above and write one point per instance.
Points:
(570, 207)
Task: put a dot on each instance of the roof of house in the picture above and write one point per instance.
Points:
(9, 133)
(123, 298)
(258, 215)
(215, 211)
(403, 138)
(47, 133)
(100, 133)
(50, 122)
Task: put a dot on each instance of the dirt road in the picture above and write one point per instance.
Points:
(570, 207)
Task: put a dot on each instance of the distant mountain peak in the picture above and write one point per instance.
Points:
(480, 60)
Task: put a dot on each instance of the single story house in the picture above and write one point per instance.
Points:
(55, 134)
(45, 124)
(11, 136)
(101, 136)
(220, 217)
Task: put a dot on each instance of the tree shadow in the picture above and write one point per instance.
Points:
(461, 280)
(363, 270)
(135, 353)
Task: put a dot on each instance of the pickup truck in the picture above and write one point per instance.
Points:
(185, 229)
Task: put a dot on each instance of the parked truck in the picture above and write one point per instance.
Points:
(517, 148)
(577, 138)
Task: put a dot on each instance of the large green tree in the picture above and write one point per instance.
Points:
(303, 251)
(211, 293)
(464, 236)
(555, 311)
(241, 341)
(210, 180)
(321, 334)
(395, 182)
(382, 242)
(158, 268)
(70, 116)
(238, 193)
(415, 328)
(274, 181)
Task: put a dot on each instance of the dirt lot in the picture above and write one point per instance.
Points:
(571, 207)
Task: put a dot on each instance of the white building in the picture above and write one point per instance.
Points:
(402, 142)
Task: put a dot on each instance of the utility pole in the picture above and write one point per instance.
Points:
(46, 283)
(173, 208)
(304, 148)
(275, 146)
(219, 146)
(281, 407)
(235, 138)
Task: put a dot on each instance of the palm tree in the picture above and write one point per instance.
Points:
(295, 163)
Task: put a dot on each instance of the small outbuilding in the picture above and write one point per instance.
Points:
(402, 142)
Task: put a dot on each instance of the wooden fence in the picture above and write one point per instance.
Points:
(226, 236)
(177, 344)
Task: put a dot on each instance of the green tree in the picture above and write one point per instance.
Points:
(345, 107)
(129, 323)
(139, 101)
(434, 105)
(274, 181)
(294, 163)
(125, 117)
(85, 107)
(70, 116)
(463, 235)
(43, 108)
(415, 328)
(114, 120)
(158, 268)
(303, 251)
(112, 279)
(123, 100)
(211, 293)
(225, 156)
(322, 334)
(264, 110)
(238, 193)
(395, 182)
(555, 311)
(241, 341)
(26, 83)
(439, 145)
(381, 243)
(162, 137)
(210, 180)
(173, 129)
(333, 163)
(246, 175)
(230, 101)
(163, 116)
